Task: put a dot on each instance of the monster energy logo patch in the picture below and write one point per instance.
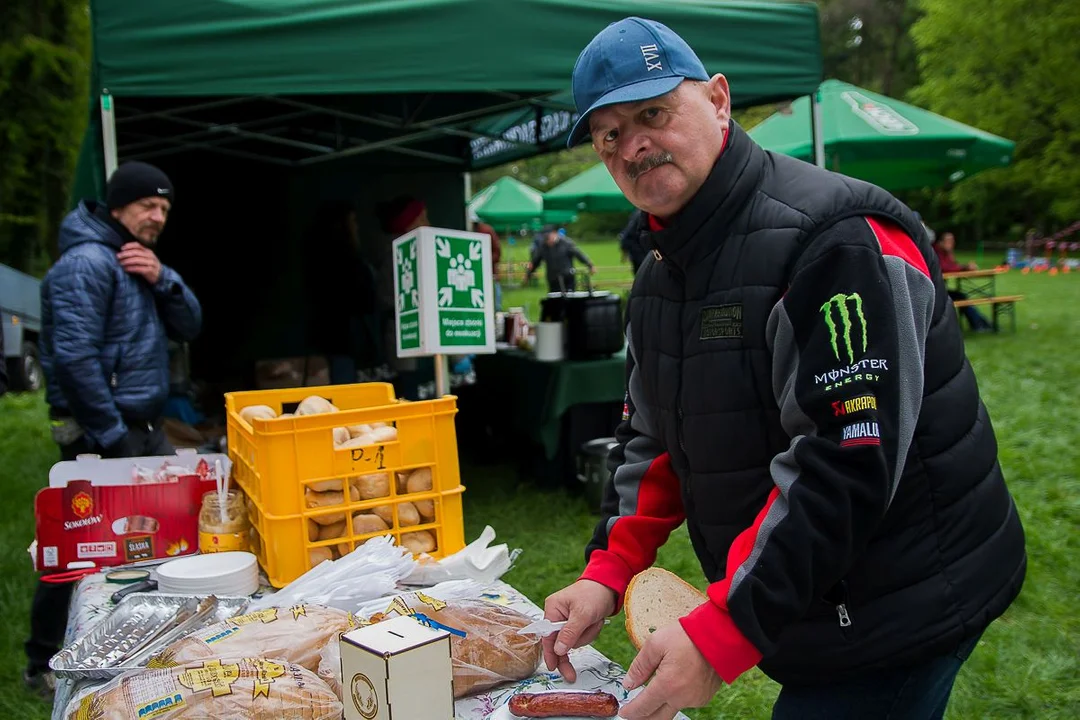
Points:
(848, 310)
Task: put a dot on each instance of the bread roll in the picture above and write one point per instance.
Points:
(492, 652)
(407, 514)
(379, 425)
(356, 430)
(341, 436)
(385, 512)
(312, 530)
(317, 555)
(421, 541)
(384, 434)
(426, 508)
(328, 499)
(257, 411)
(258, 689)
(375, 485)
(285, 415)
(314, 405)
(419, 480)
(400, 482)
(363, 440)
(326, 485)
(330, 532)
(364, 523)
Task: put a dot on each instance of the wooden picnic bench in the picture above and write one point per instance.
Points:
(1001, 305)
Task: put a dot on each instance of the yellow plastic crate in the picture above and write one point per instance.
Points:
(276, 462)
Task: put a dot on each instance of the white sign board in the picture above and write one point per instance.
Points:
(443, 293)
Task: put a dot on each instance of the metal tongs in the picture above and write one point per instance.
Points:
(184, 621)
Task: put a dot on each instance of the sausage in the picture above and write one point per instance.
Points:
(564, 704)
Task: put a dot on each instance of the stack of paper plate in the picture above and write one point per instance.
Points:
(225, 573)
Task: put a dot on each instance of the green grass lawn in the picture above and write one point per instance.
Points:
(1028, 662)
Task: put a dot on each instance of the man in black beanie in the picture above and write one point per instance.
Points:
(109, 308)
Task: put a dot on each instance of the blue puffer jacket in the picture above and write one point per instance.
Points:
(104, 332)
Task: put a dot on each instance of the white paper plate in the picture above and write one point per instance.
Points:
(220, 566)
(503, 713)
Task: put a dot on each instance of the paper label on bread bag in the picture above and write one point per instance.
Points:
(222, 542)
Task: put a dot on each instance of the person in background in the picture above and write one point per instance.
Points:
(109, 308)
(944, 248)
(341, 286)
(496, 257)
(630, 240)
(558, 253)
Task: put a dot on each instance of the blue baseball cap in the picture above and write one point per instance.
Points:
(630, 60)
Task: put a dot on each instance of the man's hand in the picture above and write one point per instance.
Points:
(681, 677)
(592, 269)
(584, 605)
(140, 260)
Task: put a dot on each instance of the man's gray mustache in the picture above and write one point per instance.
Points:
(635, 170)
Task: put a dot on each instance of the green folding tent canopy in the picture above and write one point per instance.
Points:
(591, 191)
(445, 84)
(509, 204)
(884, 141)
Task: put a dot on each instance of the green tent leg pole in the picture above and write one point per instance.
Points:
(108, 132)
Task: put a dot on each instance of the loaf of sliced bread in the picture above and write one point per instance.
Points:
(656, 598)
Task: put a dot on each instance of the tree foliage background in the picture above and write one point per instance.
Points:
(44, 70)
(1004, 66)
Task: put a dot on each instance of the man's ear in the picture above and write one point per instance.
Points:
(720, 96)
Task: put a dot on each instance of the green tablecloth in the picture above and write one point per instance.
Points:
(533, 395)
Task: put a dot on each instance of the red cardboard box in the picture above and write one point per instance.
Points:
(112, 525)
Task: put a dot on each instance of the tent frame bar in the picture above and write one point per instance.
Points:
(208, 135)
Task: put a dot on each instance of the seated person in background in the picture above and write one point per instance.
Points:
(944, 247)
(558, 252)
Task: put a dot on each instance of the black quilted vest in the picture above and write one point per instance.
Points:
(942, 564)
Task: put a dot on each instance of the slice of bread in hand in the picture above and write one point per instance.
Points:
(655, 598)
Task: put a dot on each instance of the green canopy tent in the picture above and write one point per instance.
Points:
(884, 141)
(509, 205)
(591, 191)
(299, 83)
(260, 110)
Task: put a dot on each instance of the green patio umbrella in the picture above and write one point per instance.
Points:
(591, 191)
(509, 204)
(884, 141)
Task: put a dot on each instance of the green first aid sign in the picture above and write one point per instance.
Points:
(443, 283)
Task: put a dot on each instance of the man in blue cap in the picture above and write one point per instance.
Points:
(798, 394)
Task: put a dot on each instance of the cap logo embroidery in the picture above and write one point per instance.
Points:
(651, 54)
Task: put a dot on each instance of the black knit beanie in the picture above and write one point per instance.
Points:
(134, 181)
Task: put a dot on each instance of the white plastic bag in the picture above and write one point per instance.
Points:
(370, 571)
(476, 561)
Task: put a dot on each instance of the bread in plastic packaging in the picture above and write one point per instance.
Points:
(235, 688)
(490, 653)
(296, 634)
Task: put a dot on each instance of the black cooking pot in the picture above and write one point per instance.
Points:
(593, 322)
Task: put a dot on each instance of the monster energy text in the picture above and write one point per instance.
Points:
(841, 335)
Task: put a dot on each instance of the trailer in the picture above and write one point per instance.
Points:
(20, 318)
